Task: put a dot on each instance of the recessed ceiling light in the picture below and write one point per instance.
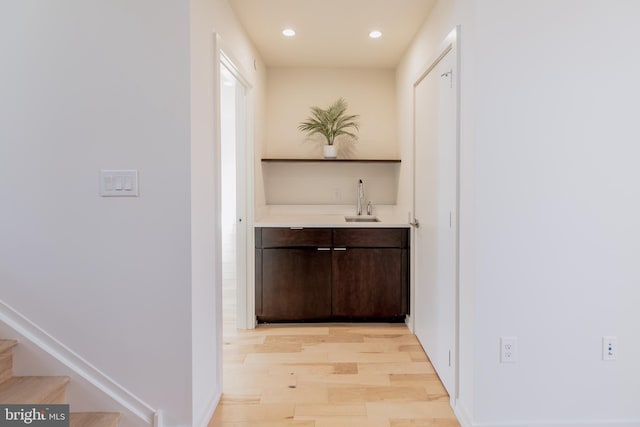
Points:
(375, 34)
(289, 32)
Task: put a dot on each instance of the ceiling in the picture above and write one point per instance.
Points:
(332, 33)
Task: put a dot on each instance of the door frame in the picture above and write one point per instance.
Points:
(449, 45)
(223, 55)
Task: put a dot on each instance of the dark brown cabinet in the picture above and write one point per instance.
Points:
(295, 284)
(331, 274)
(293, 280)
(366, 283)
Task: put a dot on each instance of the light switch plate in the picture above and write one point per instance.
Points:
(119, 183)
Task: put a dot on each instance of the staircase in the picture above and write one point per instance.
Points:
(42, 391)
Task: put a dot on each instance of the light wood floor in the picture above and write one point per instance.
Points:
(329, 376)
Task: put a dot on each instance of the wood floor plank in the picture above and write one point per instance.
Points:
(253, 413)
(288, 329)
(396, 368)
(329, 375)
(428, 422)
(281, 423)
(418, 356)
(408, 410)
(354, 347)
(254, 385)
(271, 358)
(361, 357)
(412, 379)
(325, 410)
(377, 394)
(314, 339)
(315, 368)
(296, 394)
(93, 419)
(354, 380)
(352, 422)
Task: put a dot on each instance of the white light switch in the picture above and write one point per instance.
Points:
(123, 183)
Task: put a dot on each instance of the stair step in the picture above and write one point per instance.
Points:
(93, 419)
(6, 359)
(33, 390)
(7, 345)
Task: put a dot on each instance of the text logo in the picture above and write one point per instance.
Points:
(34, 415)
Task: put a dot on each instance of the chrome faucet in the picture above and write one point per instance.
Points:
(360, 197)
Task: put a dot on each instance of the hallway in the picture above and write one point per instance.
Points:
(329, 375)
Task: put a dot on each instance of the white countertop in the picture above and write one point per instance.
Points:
(304, 219)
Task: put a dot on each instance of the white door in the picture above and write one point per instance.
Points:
(435, 211)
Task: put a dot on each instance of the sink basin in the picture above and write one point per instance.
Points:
(361, 218)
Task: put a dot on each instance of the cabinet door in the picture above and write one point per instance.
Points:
(296, 284)
(367, 283)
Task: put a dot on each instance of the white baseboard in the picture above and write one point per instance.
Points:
(462, 414)
(211, 408)
(568, 423)
(134, 412)
(465, 421)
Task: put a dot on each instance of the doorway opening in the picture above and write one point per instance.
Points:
(233, 172)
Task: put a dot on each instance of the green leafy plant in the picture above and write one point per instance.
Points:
(331, 122)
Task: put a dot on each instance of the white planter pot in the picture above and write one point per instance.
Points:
(330, 151)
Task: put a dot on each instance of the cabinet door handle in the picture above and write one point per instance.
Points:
(324, 249)
(339, 249)
(296, 228)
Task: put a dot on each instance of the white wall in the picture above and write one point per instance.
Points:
(329, 183)
(86, 86)
(209, 17)
(557, 209)
(370, 93)
(548, 226)
(424, 49)
(128, 284)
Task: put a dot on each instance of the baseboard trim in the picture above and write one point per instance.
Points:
(211, 409)
(75, 363)
(567, 423)
(462, 415)
(465, 421)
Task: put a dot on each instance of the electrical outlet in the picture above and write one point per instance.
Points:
(609, 348)
(508, 349)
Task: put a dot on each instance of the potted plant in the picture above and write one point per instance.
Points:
(330, 123)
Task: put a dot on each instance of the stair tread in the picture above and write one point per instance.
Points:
(34, 390)
(7, 344)
(93, 419)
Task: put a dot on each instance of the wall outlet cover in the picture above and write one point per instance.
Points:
(508, 349)
(609, 348)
